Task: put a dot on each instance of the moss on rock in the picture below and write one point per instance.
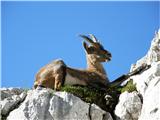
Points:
(130, 87)
(90, 95)
(96, 96)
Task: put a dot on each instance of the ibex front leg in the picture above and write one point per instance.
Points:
(59, 79)
(51, 75)
(59, 74)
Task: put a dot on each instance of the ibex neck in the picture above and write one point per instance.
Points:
(95, 66)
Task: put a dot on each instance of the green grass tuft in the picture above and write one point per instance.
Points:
(90, 95)
(130, 87)
(93, 95)
(96, 96)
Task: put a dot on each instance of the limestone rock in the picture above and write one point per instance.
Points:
(97, 114)
(10, 98)
(153, 55)
(144, 79)
(148, 82)
(151, 101)
(65, 106)
(46, 104)
(35, 107)
(148, 85)
(8, 92)
(129, 106)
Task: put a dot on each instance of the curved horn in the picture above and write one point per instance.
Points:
(87, 39)
(93, 37)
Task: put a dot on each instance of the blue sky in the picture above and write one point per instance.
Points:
(35, 33)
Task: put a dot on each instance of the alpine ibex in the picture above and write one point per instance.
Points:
(56, 74)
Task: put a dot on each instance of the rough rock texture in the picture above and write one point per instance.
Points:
(46, 104)
(10, 98)
(148, 87)
(8, 92)
(153, 55)
(151, 101)
(148, 83)
(129, 106)
(151, 58)
(144, 80)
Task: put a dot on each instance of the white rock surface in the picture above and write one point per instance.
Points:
(151, 101)
(35, 107)
(129, 106)
(10, 98)
(148, 86)
(8, 92)
(45, 104)
(97, 114)
(148, 82)
(153, 55)
(143, 80)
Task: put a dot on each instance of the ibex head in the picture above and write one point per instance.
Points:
(95, 50)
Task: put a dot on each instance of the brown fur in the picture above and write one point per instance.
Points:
(51, 75)
(54, 74)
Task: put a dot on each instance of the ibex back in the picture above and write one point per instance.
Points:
(56, 74)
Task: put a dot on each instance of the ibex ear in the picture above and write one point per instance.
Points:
(86, 47)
